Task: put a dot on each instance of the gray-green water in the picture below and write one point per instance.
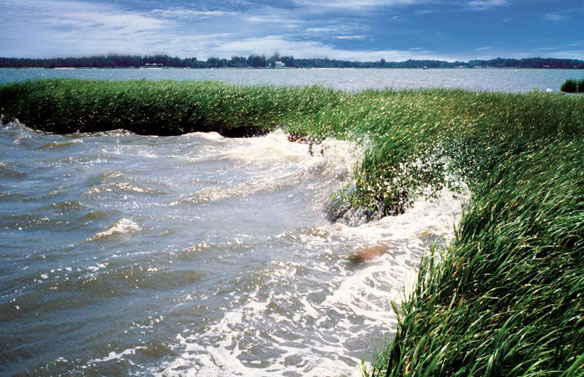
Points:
(505, 80)
(191, 255)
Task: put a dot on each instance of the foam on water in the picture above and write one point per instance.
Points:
(116, 356)
(197, 255)
(122, 226)
(276, 148)
(333, 322)
(278, 164)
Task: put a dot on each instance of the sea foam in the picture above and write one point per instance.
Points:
(122, 226)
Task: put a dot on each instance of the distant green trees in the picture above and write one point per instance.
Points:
(261, 61)
(256, 61)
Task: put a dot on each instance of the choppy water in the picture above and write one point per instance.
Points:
(192, 255)
(504, 80)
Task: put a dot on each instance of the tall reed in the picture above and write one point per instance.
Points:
(573, 86)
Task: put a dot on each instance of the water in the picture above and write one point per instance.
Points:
(192, 255)
(505, 80)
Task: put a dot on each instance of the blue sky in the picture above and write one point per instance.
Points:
(353, 29)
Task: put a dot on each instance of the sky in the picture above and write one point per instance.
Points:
(366, 30)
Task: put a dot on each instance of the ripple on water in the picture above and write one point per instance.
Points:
(61, 144)
(6, 172)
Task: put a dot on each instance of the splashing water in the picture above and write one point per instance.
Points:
(194, 255)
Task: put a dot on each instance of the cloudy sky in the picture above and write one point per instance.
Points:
(353, 29)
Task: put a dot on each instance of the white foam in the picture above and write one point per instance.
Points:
(122, 226)
(275, 163)
(275, 147)
(117, 355)
(209, 136)
(240, 190)
(356, 306)
(271, 147)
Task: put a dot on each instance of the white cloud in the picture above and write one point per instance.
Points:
(554, 16)
(351, 37)
(69, 28)
(289, 23)
(568, 54)
(77, 28)
(571, 48)
(485, 4)
(82, 28)
(328, 5)
(337, 27)
(311, 49)
(562, 15)
(77, 14)
(323, 29)
(188, 13)
(483, 48)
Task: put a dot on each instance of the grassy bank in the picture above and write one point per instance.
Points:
(506, 299)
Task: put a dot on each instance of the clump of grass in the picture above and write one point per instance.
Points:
(157, 108)
(573, 86)
(506, 297)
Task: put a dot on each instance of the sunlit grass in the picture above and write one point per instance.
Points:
(506, 299)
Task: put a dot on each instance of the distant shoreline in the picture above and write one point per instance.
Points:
(298, 68)
(276, 62)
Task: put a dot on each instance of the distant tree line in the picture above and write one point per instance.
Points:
(257, 61)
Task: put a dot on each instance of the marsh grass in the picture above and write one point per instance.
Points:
(573, 86)
(506, 297)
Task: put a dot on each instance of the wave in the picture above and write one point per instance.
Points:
(61, 144)
(321, 315)
(6, 172)
(121, 227)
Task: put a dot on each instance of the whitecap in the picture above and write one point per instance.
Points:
(122, 226)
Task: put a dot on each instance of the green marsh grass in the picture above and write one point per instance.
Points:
(573, 86)
(506, 297)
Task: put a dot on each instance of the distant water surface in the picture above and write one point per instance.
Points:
(505, 80)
